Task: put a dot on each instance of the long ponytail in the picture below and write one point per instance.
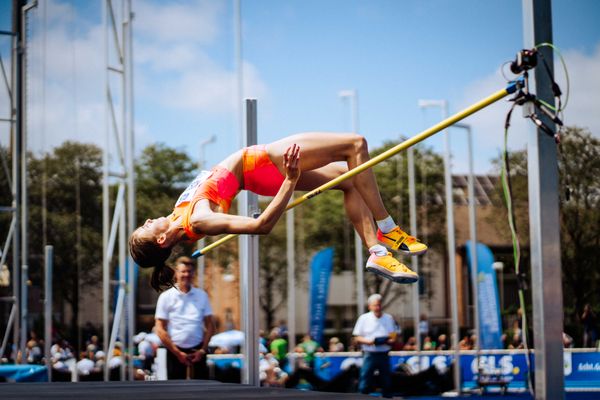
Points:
(148, 254)
(162, 278)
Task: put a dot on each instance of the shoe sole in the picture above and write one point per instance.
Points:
(398, 279)
(407, 252)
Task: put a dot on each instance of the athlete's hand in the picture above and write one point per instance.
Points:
(291, 162)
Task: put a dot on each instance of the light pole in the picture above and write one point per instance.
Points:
(200, 264)
(443, 104)
(352, 96)
(473, 231)
(498, 266)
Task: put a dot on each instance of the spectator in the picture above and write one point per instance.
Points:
(442, 343)
(335, 346)
(589, 321)
(423, 327)
(309, 348)
(473, 341)
(100, 359)
(270, 373)
(146, 351)
(465, 343)
(33, 352)
(567, 341)
(411, 344)
(516, 342)
(283, 329)
(428, 344)
(262, 337)
(93, 344)
(278, 347)
(516, 328)
(184, 324)
(85, 365)
(375, 331)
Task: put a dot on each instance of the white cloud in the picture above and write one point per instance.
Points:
(582, 109)
(167, 22)
(174, 68)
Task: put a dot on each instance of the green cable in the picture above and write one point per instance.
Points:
(562, 61)
(516, 247)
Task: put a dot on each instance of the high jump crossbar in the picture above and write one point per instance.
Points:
(511, 88)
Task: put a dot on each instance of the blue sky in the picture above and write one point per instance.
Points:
(298, 55)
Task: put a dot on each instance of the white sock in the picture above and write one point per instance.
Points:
(378, 250)
(386, 225)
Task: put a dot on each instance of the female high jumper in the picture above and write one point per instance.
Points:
(299, 162)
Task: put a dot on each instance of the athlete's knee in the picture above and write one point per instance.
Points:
(360, 144)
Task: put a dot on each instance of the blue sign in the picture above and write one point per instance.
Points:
(320, 271)
(581, 367)
(490, 326)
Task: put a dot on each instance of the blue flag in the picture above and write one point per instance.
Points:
(320, 271)
(490, 324)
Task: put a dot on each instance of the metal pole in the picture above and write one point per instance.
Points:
(11, 319)
(451, 252)
(16, 168)
(24, 194)
(359, 262)
(249, 271)
(49, 253)
(291, 279)
(511, 88)
(130, 136)
(544, 223)
(412, 204)
(24, 208)
(105, 204)
(200, 262)
(473, 231)
(443, 104)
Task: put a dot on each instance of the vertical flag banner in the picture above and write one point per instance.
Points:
(490, 323)
(320, 272)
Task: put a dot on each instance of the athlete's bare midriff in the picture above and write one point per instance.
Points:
(234, 164)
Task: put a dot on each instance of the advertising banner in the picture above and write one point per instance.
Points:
(320, 273)
(490, 324)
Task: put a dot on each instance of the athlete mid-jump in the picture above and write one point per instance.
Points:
(299, 162)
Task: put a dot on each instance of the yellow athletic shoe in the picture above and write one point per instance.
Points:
(400, 240)
(390, 268)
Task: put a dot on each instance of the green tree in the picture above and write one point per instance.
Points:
(162, 173)
(65, 211)
(580, 219)
(579, 194)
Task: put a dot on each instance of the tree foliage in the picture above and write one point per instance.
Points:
(579, 195)
(65, 211)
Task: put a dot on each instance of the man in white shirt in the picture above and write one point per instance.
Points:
(184, 324)
(375, 331)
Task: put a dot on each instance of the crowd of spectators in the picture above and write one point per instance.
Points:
(274, 350)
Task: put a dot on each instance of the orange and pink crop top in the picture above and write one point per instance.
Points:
(219, 186)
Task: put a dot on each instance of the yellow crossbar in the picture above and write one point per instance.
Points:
(383, 156)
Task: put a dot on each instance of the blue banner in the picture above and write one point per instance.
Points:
(490, 324)
(581, 367)
(320, 271)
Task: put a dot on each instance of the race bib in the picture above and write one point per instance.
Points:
(188, 193)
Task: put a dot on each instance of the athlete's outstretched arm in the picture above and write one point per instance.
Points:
(218, 223)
